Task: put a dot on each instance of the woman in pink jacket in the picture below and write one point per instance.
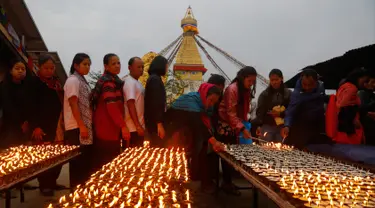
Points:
(233, 111)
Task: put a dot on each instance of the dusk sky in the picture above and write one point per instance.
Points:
(287, 34)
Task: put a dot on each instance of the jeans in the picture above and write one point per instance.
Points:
(271, 133)
(356, 153)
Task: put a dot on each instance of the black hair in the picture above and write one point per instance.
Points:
(78, 58)
(355, 75)
(131, 60)
(216, 79)
(108, 57)
(214, 90)
(8, 75)
(241, 75)
(157, 66)
(309, 72)
(276, 72)
(43, 58)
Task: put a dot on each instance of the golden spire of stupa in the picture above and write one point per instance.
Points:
(188, 57)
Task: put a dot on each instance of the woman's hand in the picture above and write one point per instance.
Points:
(274, 114)
(38, 134)
(216, 145)
(84, 132)
(125, 133)
(246, 134)
(25, 126)
(140, 131)
(259, 131)
(161, 131)
(285, 132)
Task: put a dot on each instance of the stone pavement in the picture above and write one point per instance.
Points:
(34, 200)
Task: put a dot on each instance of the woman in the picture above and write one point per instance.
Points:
(233, 111)
(15, 102)
(350, 130)
(48, 96)
(108, 108)
(78, 118)
(193, 111)
(155, 101)
(272, 103)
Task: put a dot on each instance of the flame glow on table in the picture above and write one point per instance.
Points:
(22, 157)
(139, 177)
(313, 179)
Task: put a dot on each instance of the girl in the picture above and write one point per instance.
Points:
(49, 95)
(155, 101)
(350, 130)
(193, 111)
(272, 103)
(233, 111)
(15, 99)
(108, 104)
(78, 118)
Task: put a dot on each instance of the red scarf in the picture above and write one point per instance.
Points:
(203, 90)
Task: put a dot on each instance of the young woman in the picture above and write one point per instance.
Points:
(233, 111)
(78, 118)
(15, 102)
(272, 103)
(350, 130)
(108, 104)
(155, 101)
(48, 96)
(193, 111)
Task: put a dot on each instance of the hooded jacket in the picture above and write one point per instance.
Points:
(307, 106)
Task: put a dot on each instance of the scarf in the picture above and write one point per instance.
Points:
(97, 91)
(54, 84)
(195, 102)
(84, 107)
(347, 95)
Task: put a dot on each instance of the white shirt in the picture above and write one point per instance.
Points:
(71, 88)
(134, 90)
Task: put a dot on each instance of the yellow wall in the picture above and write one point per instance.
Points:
(190, 75)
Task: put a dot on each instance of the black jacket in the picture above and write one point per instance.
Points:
(268, 99)
(155, 102)
(16, 103)
(48, 107)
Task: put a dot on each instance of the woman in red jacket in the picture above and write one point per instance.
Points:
(108, 108)
(233, 111)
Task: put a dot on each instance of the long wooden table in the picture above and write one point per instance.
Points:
(258, 185)
(19, 182)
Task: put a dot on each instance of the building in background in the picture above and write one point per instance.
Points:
(21, 39)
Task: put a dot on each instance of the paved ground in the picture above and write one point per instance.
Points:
(34, 200)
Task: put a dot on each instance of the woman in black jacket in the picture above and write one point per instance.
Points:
(16, 105)
(48, 97)
(276, 96)
(155, 101)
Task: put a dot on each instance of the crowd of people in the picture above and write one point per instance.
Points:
(117, 114)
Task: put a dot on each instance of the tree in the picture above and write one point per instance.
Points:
(94, 77)
(174, 87)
